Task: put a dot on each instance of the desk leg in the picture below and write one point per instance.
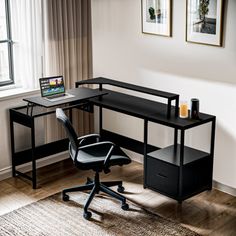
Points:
(100, 120)
(145, 140)
(176, 138)
(181, 165)
(12, 147)
(213, 128)
(169, 108)
(177, 107)
(34, 178)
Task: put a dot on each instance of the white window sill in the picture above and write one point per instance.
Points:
(16, 92)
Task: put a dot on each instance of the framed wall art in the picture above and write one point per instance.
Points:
(204, 23)
(157, 17)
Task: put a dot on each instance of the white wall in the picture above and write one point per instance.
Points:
(123, 53)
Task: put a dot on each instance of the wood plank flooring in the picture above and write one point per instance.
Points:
(209, 213)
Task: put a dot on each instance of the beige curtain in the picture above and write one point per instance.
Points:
(68, 52)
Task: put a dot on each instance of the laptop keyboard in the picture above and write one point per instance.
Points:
(57, 96)
(60, 97)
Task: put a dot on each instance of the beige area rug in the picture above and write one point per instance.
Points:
(53, 217)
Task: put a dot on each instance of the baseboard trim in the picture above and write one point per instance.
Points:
(6, 173)
(224, 188)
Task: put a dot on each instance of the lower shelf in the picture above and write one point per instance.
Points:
(48, 149)
(171, 154)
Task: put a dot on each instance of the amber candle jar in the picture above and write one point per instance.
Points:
(183, 109)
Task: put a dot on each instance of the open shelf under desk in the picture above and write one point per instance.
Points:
(171, 155)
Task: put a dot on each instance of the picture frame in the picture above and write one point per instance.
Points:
(204, 22)
(157, 17)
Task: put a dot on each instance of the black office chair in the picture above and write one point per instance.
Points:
(98, 156)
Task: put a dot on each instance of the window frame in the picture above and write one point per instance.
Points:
(9, 42)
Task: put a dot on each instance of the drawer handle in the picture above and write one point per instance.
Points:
(161, 175)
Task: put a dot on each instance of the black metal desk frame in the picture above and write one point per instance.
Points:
(167, 115)
(26, 115)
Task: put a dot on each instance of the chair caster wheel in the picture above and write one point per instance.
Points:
(65, 197)
(120, 189)
(125, 207)
(87, 215)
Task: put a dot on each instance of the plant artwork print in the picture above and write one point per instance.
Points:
(204, 21)
(156, 17)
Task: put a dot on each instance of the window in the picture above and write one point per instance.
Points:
(6, 43)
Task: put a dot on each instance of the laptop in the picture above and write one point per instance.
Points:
(53, 88)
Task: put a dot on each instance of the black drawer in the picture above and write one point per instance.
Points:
(162, 176)
(197, 176)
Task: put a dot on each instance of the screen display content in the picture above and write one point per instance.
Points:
(52, 86)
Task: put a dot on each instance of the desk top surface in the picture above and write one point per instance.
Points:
(147, 109)
(80, 94)
(136, 106)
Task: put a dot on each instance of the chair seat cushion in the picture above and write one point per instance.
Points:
(93, 157)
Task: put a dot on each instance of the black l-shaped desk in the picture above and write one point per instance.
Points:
(177, 171)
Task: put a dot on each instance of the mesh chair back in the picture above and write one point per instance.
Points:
(73, 147)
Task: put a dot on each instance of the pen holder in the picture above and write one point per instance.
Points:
(194, 108)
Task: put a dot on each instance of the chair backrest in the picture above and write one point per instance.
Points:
(73, 146)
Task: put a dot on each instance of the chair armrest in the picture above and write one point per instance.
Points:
(108, 156)
(107, 159)
(96, 144)
(82, 138)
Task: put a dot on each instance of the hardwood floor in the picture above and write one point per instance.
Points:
(209, 213)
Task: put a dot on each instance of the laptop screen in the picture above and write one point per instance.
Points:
(51, 86)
